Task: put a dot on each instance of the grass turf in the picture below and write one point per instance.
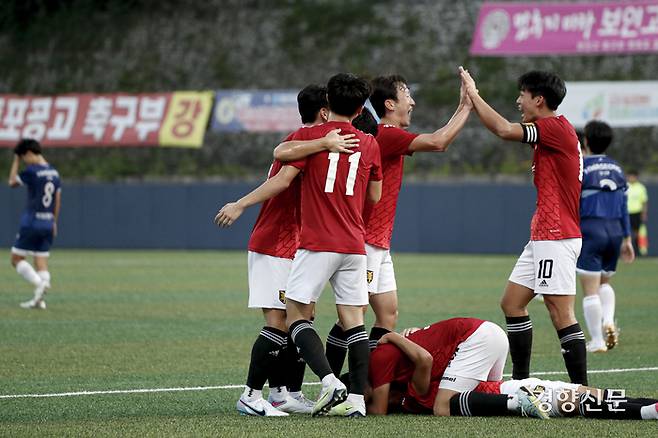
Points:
(160, 319)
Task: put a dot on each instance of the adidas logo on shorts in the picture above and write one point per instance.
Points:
(543, 284)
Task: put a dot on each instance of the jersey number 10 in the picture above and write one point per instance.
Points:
(333, 169)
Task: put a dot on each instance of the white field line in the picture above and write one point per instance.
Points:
(208, 388)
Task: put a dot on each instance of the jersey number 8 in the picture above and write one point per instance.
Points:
(48, 190)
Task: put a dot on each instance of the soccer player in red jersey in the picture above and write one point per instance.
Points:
(392, 101)
(436, 370)
(332, 240)
(272, 246)
(547, 265)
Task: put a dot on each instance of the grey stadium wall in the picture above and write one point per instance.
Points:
(487, 218)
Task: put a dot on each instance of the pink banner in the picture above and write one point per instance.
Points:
(566, 28)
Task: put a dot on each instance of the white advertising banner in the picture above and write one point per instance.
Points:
(622, 104)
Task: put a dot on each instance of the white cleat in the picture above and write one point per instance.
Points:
(31, 304)
(596, 347)
(293, 405)
(530, 405)
(331, 395)
(348, 409)
(258, 408)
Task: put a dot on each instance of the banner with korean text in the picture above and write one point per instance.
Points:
(153, 119)
(255, 111)
(621, 104)
(581, 28)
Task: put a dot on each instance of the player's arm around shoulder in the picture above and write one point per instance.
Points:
(333, 141)
(374, 193)
(13, 180)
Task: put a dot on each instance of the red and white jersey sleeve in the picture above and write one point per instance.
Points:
(558, 169)
(380, 217)
(334, 191)
(276, 232)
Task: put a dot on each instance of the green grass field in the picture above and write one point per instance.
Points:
(125, 320)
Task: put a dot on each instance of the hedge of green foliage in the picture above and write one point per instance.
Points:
(148, 45)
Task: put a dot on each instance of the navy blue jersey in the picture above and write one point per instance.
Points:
(604, 191)
(42, 182)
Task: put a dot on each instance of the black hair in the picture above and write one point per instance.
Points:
(632, 171)
(366, 122)
(598, 135)
(546, 84)
(384, 88)
(27, 145)
(310, 101)
(346, 93)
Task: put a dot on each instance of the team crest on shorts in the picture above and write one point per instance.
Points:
(369, 276)
(282, 296)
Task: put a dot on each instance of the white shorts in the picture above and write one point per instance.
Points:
(480, 358)
(549, 392)
(548, 267)
(268, 276)
(312, 269)
(380, 273)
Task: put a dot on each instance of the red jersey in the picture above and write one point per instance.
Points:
(388, 364)
(393, 146)
(334, 191)
(558, 173)
(276, 232)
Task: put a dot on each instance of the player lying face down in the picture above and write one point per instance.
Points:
(435, 370)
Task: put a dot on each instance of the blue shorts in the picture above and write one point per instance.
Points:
(601, 245)
(33, 241)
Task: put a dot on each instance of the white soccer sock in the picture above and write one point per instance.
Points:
(45, 276)
(607, 294)
(512, 403)
(328, 379)
(251, 394)
(593, 318)
(28, 273)
(296, 394)
(356, 399)
(649, 412)
(278, 393)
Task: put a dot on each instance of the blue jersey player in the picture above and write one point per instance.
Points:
(38, 225)
(606, 233)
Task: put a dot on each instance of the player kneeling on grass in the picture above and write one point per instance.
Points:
(562, 399)
(436, 370)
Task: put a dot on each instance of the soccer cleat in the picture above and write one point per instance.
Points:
(259, 408)
(293, 405)
(596, 347)
(32, 304)
(348, 409)
(331, 395)
(611, 336)
(530, 405)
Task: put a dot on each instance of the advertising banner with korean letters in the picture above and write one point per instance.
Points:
(575, 28)
(256, 111)
(155, 119)
(621, 104)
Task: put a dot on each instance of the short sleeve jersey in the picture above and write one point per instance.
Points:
(557, 167)
(393, 145)
(276, 232)
(42, 182)
(388, 364)
(334, 191)
(603, 194)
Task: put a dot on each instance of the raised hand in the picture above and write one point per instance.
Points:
(341, 143)
(467, 81)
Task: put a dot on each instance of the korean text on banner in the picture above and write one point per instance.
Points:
(575, 28)
(256, 111)
(186, 119)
